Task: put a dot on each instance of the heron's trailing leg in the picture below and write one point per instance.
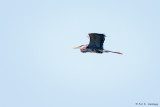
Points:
(111, 51)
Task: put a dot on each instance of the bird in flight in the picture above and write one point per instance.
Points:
(95, 45)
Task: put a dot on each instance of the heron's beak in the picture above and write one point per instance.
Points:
(76, 47)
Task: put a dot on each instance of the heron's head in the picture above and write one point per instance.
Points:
(83, 48)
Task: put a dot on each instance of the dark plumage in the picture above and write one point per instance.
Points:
(96, 41)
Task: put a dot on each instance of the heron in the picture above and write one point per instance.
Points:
(95, 45)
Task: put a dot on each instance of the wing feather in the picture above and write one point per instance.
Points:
(96, 41)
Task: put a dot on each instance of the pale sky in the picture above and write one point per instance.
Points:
(39, 68)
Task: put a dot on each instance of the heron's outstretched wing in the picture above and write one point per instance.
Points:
(96, 41)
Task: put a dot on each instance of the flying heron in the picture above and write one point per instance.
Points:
(95, 45)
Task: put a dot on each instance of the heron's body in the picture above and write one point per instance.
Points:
(95, 45)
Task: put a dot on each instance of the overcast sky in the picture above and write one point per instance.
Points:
(39, 68)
